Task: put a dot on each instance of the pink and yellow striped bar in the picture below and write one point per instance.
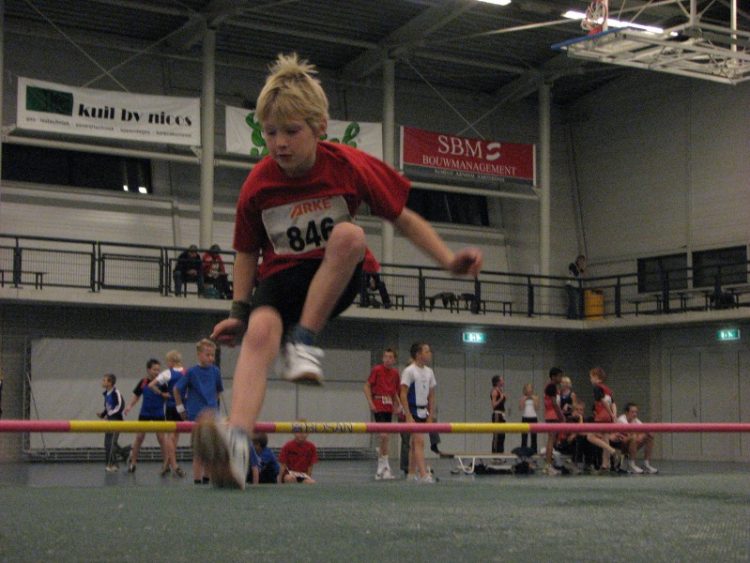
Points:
(76, 426)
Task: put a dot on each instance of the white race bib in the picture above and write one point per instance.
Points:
(304, 225)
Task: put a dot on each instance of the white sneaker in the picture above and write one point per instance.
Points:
(550, 470)
(649, 468)
(224, 451)
(301, 364)
(386, 475)
(571, 467)
(615, 460)
(634, 468)
(427, 479)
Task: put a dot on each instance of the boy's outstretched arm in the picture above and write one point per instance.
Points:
(245, 267)
(464, 262)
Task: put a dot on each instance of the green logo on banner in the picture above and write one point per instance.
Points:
(49, 101)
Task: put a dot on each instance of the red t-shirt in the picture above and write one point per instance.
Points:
(370, 264)
(550, 400)
(288, 220)
(384, 384)
(601, 412)
(299, 456)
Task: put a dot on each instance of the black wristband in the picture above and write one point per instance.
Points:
(240, 310)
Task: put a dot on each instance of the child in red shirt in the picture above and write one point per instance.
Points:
(297, 458)
(295, 235)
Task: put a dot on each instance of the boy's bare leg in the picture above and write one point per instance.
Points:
(345, 249)
(260, 346)
(383, 444)
(412, 462)
(418, 443)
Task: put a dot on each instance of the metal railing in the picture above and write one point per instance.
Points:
(39, 262)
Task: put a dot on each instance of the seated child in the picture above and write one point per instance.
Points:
(297, 458)
(264, 468)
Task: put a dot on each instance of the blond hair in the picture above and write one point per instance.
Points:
(292, 92)
(205, 343)
(566, 382)
(174, 356)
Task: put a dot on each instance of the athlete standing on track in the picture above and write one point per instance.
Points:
(382, 392)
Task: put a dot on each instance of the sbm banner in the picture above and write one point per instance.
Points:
(450, 157)
(244, 136)
(56, 108)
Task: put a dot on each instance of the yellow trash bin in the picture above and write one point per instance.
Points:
(593, 303)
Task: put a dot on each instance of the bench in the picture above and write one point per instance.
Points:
(38, 278)
(466, 463)
(449, 300)
(507, 306)
(686, 294)
(397, 300)
(647, 298)
(470, 303)
(738, 291)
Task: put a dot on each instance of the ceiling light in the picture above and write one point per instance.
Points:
(575, 15)
(498, 2)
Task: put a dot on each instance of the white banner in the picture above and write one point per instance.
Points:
(243, 134)
(56, 108)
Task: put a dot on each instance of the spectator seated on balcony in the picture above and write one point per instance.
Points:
(371, 283)
(215, 274)
(189, 268)
(448, 298)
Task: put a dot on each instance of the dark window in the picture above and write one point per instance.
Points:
(723, 266)
(43, 165)
(655, 272)
(444, 207)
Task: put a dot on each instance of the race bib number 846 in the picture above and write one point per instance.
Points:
(304, 226)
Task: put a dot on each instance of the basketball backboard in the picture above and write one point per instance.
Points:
(693, 48)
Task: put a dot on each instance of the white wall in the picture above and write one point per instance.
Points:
(663, 167)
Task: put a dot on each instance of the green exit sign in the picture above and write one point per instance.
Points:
(726, 334)
(475, 337)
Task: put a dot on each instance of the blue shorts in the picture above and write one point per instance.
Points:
(144, 418)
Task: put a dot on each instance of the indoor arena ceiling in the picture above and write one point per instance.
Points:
(499, 51)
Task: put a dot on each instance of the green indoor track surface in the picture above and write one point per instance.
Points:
(703, 517)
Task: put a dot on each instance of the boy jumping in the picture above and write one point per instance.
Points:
(295, 210)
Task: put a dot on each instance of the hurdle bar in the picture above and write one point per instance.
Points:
(78, 426)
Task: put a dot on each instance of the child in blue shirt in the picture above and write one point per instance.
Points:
(264, 467)
(113, 407)
(201, 386)
(152, 409)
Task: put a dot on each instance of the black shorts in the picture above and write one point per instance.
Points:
(286, 291)
(172, 414)
(143, 418)
(383, 416)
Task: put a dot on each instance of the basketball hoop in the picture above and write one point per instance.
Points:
(595, 20)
